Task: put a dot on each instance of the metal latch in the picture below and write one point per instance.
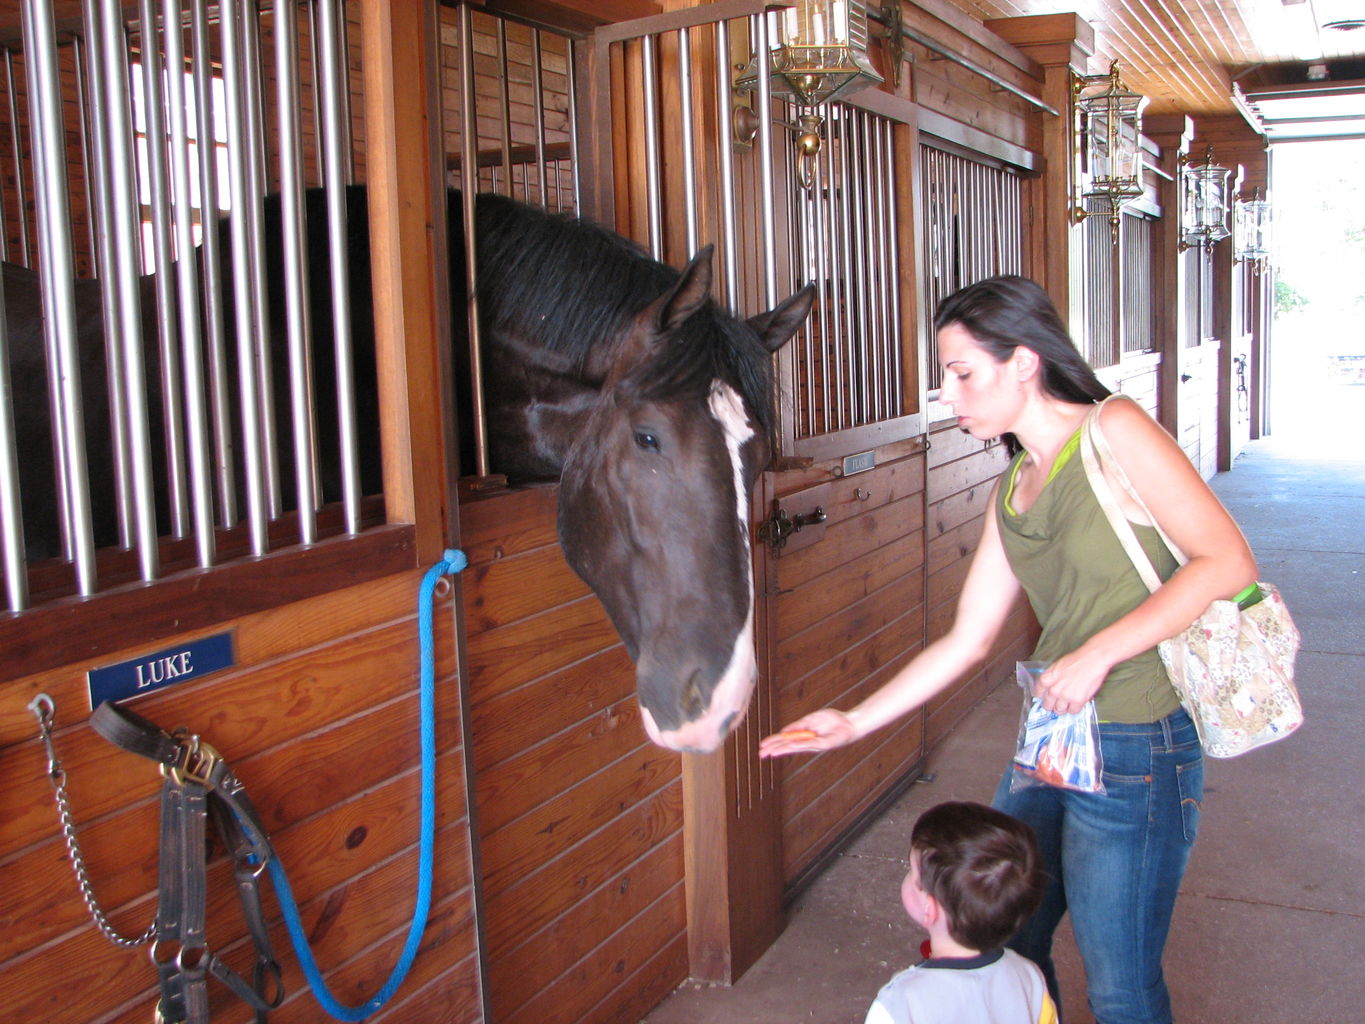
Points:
(779, 526)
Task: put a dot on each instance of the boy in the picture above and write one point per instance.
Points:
(974, 879)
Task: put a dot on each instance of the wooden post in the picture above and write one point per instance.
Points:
(1172, 134)
(1062, 44)
(398, 66)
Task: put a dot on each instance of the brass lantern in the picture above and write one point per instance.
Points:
(1108, 127)
(1252, 220)
(819, 52)
(1204, 204)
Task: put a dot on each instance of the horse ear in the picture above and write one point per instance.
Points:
(783, 320)
(691, 291)
(609, 363)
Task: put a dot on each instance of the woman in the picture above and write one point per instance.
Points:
(1114, 860)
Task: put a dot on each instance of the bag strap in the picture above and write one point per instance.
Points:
(1094, 449)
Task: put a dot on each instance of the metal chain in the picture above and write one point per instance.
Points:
(43, 708)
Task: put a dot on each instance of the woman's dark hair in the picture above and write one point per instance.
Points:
(982, 867)
(1007, 311)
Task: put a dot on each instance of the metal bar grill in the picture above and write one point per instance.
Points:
(973, 230)
(181, 121)
(851, 350)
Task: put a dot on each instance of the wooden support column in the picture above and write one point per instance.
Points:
(403, 187)
(1242, 314)
(1062, 44)
(1171, 133)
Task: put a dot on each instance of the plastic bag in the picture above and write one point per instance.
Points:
(1053, 749)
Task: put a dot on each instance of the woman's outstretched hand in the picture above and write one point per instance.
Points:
(820, 730)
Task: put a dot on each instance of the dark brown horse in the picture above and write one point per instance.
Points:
(609, 371)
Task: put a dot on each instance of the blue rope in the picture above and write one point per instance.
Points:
(453, 562)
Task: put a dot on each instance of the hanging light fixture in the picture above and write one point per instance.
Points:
(818, 54)
(1204, 207)
(1108, 127)
(1252, 220)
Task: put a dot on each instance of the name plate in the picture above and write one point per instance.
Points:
(860, 463)
(160, 669)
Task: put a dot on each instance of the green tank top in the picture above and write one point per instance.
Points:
(1079, 579)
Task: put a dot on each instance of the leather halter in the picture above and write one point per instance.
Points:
(199, 784)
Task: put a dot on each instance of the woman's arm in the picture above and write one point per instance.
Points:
(983, 606)
(1220, 563)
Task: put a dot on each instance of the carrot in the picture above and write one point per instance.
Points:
(798, 735)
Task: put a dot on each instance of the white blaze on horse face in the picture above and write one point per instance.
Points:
(730, 698)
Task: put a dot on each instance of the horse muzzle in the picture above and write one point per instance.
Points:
(701, 723)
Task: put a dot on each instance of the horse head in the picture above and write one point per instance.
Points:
(654, 500)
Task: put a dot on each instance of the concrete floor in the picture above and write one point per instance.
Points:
(1270, 925)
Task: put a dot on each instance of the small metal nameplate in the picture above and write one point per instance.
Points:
(859, 463)
(160, 669)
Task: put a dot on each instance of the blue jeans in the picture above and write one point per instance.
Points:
(1115, 862)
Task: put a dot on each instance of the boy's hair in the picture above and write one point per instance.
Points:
(982, 867)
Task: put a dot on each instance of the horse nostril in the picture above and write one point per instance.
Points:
(693, 701)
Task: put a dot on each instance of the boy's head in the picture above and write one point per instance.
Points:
(980, 866)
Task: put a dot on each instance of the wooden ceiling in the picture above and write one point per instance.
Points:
(1186, 54)
(1183, 54)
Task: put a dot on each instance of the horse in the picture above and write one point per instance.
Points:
(624, 380)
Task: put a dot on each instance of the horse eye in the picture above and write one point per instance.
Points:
(646, 440)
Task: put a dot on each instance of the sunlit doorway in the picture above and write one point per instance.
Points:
(1317, 364)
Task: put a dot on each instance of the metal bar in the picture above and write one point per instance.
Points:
(335, 81)
(653, 184)
(878, 181)
(248, 24)
(820, 274)
(103, 217)
(571, 73)
(25, 249)
(7, 69)
(538, 107)
(858, 346)
(248, 382)
(765, 168)
(158, 190)
(206, 146)
(505, 108)
(78, 62)
(345, 141)
(725, 126)
(315, 81)
(12, 552)
(897, 375)
(830, 331)
(299, 326)
(187, 281)
(688, 135)
(689, 17)
(125, 263)
(970, 65)
(469, 153)
(847, 244)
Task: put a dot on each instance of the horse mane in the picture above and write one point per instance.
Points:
(566, 285)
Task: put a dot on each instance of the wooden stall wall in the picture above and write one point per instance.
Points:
(319, 719)
(580, 818)
(847, 603)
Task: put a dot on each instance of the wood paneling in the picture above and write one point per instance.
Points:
(574, 804)
(316, 684)
(848, 613)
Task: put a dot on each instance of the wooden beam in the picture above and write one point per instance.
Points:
(396, 41)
